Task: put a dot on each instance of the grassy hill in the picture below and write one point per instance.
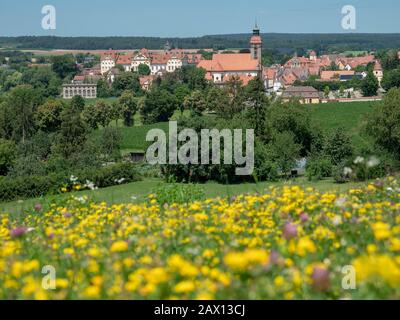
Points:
(349, 116)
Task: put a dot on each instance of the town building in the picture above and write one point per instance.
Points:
(339, 75)
(159, 63)
(246, 66)
(351, 63)
(378, 71)
(306, 95)
(85, 90)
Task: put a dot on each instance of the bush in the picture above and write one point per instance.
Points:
(28, 187)
(110, 175)
(19, 187)
(341, 173)
(318, 168)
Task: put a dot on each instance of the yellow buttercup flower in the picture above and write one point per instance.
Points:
(119, 246)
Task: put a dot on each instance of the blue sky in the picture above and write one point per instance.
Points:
(185, 18)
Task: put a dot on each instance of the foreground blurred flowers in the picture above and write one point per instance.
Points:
(288, 243)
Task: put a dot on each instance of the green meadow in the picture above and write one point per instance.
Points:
(349, 116)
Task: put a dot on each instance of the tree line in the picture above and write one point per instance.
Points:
(284, 42)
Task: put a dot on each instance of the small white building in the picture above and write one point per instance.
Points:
(85, 90)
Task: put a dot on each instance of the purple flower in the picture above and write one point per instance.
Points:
(67, 215)
(289, 231)
(18, 232)
(274, 258)
(38, 207)
(379, 184)
(321, 280)
(304, 217)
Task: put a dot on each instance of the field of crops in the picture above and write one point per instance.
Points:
(287, 243)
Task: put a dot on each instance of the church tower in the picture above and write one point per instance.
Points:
(256, 45)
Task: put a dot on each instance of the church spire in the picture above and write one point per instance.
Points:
(256, 30)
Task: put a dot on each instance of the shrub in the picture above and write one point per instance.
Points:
(28, 187)
(110, 175)
(342, 173)
(318, 167)
(13, 188)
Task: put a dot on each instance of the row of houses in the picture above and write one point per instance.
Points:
(159, 63)
(222, 67)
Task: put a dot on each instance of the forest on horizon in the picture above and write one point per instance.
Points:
(285, 43)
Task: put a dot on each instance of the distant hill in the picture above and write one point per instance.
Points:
(273, 41)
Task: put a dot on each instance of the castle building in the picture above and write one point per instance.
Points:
(159, 62)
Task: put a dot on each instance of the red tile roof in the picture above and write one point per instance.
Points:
(269, 73)
(124, 59)
(378, 66)
(230, 62)
(329, 75)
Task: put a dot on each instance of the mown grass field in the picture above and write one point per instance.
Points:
(349, 116)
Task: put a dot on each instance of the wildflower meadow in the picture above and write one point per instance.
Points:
(284, 243)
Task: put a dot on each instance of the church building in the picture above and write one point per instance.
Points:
(246, 66)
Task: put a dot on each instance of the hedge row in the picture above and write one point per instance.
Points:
(36, 186)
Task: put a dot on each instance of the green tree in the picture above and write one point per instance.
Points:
(181, 92)
(196, 103)
(235, 91)
(127, 81)
(295, 118)
(77, 103)
(7, 156)
(23, 101)
(115, 112)
(327, 91)
(384, 123)
(338, 146)
(103, 89)
(218, 101)
(144, 69)
(258, 103)
(111, 140)
(72, 135)
(98, 114)
(48, 115)
(284, 151)
(43, 79)
(159, 106)
(194, 77)
(64, 66)
(391, 79)
(370, 85)
(129, 107)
